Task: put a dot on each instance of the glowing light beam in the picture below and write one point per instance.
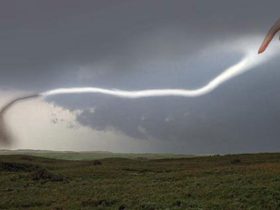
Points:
(250, 60)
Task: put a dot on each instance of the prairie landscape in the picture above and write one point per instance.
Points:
(175, 105)
(245, 181)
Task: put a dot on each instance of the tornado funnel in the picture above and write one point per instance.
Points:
(5, 136)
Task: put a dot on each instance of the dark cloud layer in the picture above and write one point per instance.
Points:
(51, 40)
(147, 44)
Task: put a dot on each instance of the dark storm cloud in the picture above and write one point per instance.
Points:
(51, 40)
(147, 44)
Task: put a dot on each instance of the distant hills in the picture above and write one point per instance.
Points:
(90, 155)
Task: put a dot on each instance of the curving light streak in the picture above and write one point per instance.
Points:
(249, 61)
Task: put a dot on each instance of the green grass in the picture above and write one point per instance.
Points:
(249, 181)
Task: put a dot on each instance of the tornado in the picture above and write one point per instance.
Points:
(5, 135)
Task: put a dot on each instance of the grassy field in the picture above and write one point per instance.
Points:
(213, 182)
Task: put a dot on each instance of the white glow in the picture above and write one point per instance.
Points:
(251, 59)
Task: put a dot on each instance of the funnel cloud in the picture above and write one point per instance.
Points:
(5, 136)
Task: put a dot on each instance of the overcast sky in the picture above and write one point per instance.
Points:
(129, 44)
